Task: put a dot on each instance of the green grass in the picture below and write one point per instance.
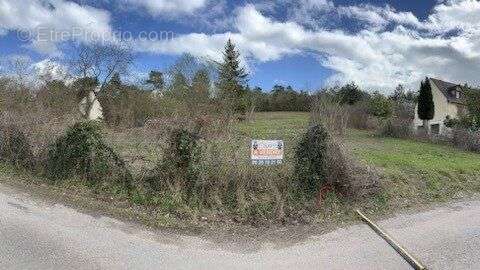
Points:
(275, 125)
(286, 126)
(398, 154)
(413, 173)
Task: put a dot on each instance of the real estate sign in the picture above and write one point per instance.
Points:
(267, 152)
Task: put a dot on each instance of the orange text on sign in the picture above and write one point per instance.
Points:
(267, 152)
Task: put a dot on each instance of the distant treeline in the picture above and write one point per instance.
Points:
(281, 98)
(285, 98)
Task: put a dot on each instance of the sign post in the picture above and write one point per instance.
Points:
(267, 152)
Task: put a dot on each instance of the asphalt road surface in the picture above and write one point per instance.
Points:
(40, 235)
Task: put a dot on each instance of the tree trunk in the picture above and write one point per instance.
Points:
(252, 113)
(426, 126)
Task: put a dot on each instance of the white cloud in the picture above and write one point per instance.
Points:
(168, 8)
(390, 47)
(378, 17)
(311, 13)
(368, 14)
(375, 58)
(454, 15)
(48, 69)
(50, 22)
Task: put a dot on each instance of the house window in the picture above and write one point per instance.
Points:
(435, 129)
(457, 94)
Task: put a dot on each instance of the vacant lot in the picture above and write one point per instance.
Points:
(414, 174)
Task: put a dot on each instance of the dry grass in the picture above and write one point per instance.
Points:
(230, 190)
(40, 127)
(331, 114)
(350, 177)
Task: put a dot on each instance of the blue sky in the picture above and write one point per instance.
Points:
(305, 43)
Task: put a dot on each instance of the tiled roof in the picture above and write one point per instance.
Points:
(446, 88)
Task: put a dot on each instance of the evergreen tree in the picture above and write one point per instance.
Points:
(399, 94)
(472, 98)
(426, 106)
(201, 85)
(232, 79)
(380, 106)
(155, 78)
(180, 87)
(350, 94)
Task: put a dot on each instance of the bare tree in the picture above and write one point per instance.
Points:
(17, 66)
(101, 61)
(95, 64)
(188, 65)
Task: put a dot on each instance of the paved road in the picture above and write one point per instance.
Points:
(38, 235)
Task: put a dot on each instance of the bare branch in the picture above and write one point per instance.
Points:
(101, 61)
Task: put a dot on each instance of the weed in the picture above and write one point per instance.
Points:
(311, 159)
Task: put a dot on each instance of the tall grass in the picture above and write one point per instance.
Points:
(346, 175)
(221, 178)
(331, 114)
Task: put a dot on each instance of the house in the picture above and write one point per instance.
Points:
(449, 100)
(90, 107)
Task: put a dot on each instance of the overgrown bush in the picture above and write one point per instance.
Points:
(58, 98)
(82, 153)
(404, 110)
(14, 96)
(15, 147)
(466, 139)
(396, 128)
(229, 181)
(359, 117)
(322, 161)
(310, 159)
(380, 106)
(40, 127)
(178, 170)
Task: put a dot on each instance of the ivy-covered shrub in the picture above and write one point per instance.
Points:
(178, 170)
(15, 147)
(322, 160)
(310, 159)
(82, 153)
